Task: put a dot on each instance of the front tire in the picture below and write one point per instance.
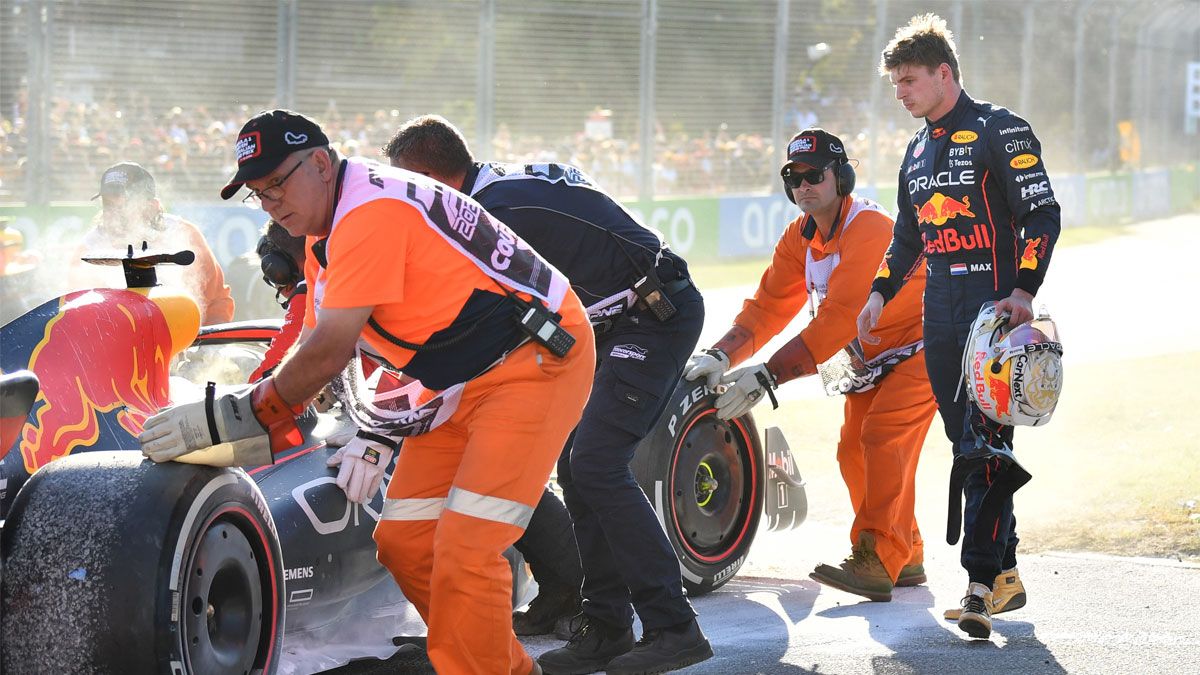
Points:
(115, 564)
(704, 476)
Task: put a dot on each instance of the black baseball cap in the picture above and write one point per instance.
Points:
(815, 147)
(268, 138)
(126, 178)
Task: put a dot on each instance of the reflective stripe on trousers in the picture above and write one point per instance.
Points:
(462, 501)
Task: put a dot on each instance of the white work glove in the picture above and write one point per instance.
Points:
(746, 387)
(364, 461)
(710, 364)
(185, 428)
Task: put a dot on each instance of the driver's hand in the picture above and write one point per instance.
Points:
(869, 317)
(362, 464)
(1018, 307)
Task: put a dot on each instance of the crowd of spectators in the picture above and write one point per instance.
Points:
(189, 150)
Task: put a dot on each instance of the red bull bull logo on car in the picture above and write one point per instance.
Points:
(106, 350)
(941, 208)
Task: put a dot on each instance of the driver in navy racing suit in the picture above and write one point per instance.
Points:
(975, 202)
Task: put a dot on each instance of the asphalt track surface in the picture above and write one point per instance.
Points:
(1086, 613)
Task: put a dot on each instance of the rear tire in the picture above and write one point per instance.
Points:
(115, 564)
(705, 478)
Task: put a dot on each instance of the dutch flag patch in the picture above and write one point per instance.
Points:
(958, 269)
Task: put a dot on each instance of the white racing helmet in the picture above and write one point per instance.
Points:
(1013, 376)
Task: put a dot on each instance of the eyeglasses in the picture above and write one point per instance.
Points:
(813, 176)
(273, 192)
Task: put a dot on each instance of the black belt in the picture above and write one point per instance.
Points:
(670, 288)
(1009, 476)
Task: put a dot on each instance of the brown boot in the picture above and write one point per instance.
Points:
(912, 574)
(861, 574)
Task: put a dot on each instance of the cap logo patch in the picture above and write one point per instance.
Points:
(116, 177)
(803, 144)
(835, 148)
(248, 146)
(294, 139)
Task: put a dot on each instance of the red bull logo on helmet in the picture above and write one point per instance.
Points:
(999, 389)
(106, 351)
(941, 208)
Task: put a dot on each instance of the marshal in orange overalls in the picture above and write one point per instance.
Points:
(464, 491)
(885, 426)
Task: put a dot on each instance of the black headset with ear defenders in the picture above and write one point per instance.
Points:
(845, 177)
(278, 268)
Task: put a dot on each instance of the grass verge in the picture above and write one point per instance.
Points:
(1116, 471)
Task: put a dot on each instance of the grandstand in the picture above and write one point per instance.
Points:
(654, 97)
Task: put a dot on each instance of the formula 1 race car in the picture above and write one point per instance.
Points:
(111, 563)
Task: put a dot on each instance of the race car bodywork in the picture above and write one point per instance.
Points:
(199, 569)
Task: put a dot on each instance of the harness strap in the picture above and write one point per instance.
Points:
(1008, 477)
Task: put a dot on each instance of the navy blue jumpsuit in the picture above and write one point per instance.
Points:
(628, 562)
(975, 202)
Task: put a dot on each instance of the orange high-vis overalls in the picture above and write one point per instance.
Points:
(464, 491)
(884, 427)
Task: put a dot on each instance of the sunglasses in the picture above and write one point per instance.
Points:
(793, 179)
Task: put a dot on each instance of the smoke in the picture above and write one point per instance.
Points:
(224, 365)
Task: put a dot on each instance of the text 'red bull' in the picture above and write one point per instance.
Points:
(949, 240)
(105, 349)
(978, 384)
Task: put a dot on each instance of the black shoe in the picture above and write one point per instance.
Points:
(592, 646)
(976, 617)
(664, 649)
(546, 610)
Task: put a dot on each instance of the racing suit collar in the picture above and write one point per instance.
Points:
(951, 117)
(468, 184)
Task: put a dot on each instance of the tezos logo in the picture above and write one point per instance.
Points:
(248, 146)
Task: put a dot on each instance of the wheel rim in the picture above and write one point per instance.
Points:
(222, 601)
(713, 485)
